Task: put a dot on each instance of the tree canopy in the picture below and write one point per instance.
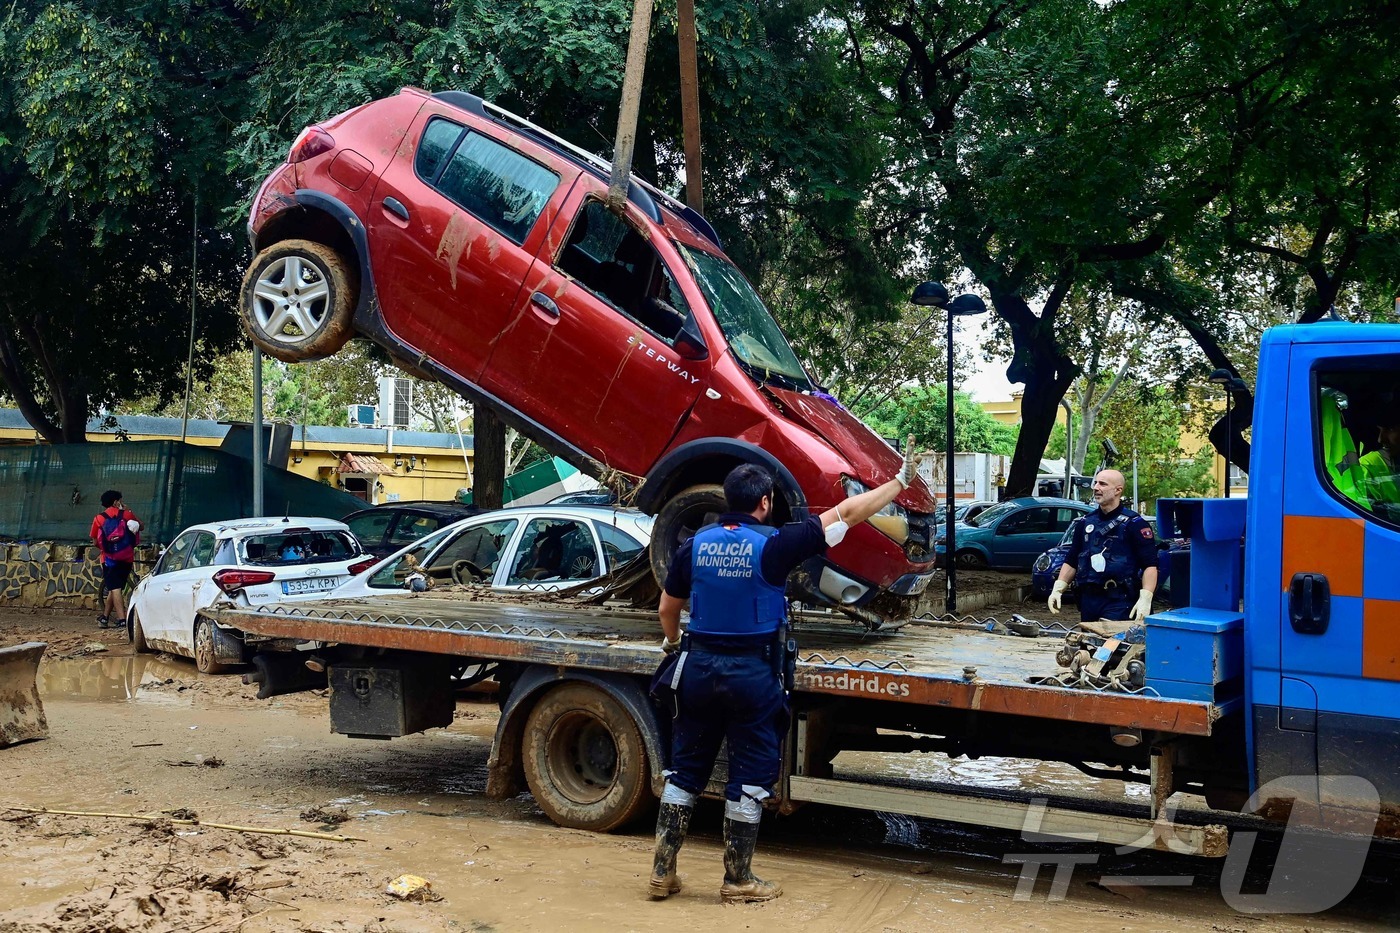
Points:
(1207, 167)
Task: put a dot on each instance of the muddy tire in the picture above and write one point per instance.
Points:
(585, 760)
(972, 560)
(134, 632)
(298, 300)
(684, 514)
(204, 648)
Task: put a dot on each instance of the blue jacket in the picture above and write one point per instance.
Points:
(728, 594)
(1125, 540)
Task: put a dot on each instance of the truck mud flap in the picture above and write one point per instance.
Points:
(21, 712)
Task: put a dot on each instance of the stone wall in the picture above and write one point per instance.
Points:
(47, 575)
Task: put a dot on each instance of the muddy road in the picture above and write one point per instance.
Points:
(148, 735)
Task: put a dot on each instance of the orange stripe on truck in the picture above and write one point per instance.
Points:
(1380, 639)
(1329, 546)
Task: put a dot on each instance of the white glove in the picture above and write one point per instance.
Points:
(1142, 608)
(133, 525)
(668, 646)
(1056, 591)
(911, 464)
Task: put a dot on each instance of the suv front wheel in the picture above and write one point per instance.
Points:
(298, 301)
(684, 514)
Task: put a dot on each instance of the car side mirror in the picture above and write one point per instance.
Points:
(689, 344)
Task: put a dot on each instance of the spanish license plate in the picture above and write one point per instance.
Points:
(309, 585)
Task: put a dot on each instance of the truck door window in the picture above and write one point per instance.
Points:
(614, 261)
(499, 186)
(1357, 435)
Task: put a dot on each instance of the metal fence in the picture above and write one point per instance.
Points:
(52, 492)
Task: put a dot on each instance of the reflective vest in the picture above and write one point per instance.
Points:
(728, 595)
(1381, 480)
(1109, 538)
(1339, 451)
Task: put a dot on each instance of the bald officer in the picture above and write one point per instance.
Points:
(1113, 555)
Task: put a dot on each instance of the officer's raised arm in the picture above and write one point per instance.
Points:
(858, 508)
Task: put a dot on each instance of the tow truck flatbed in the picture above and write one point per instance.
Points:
(923, 663)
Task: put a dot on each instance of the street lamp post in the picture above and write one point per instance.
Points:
(934, 294)
(1232, 384)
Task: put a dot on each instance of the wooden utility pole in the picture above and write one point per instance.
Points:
(631, 106)
(690, 104)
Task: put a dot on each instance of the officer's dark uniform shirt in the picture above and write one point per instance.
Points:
(1124, 538)
(785, 548)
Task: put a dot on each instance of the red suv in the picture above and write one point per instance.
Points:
(476, 248)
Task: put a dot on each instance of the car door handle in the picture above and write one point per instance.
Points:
(1309, 603)
(395, 207)
(545, 303)
(167, 587)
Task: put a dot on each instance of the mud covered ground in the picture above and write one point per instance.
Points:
(147, 735)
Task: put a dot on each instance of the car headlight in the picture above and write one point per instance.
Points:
(892, 521)
(1042, 563)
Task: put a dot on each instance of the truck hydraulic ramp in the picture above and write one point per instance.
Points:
(578, 727)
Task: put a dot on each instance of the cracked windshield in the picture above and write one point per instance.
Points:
(752, 333)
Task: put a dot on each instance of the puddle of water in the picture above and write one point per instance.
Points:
(119, 679)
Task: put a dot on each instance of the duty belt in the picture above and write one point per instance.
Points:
(757, 649)
(1108, 585)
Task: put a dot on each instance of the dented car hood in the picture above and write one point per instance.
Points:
(872, 460)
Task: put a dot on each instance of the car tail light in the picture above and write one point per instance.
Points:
(231, 579)
(356, 569)
(312, 141)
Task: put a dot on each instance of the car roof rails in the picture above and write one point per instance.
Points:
(644, 195)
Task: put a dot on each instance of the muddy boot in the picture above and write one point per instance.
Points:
(740, 885)
(671, 824)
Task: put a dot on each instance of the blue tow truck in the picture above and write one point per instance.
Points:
(1275, 692)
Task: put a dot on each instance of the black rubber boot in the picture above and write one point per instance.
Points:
(740, 885)
(671, 824)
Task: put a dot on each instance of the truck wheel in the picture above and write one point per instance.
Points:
(298, 301)
(204, 648)
(684, 514)
(135, 634)
(585, 760)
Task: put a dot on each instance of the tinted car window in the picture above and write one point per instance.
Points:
(202, 554)
(618, 546)
(410, 527)
(178, 553)
(370, 526)
(500, 187)
(991, 515)
(437, 141)
(1064, 518)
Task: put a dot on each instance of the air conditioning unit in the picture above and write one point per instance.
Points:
(360, 416)
(395, 401)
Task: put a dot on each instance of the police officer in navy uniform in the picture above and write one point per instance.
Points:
(1113, 555)
(727, 678)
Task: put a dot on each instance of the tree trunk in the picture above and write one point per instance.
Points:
(1047, 374)
(489, 456)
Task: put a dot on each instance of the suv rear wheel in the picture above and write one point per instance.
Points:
(684, 514)
(298, 300)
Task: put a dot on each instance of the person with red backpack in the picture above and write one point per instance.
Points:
(116, 531)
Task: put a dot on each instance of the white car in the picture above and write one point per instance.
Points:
(523, 548)
(256, 560)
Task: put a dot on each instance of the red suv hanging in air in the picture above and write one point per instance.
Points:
(476, 248)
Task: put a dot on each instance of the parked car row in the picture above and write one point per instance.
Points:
(262, 560)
